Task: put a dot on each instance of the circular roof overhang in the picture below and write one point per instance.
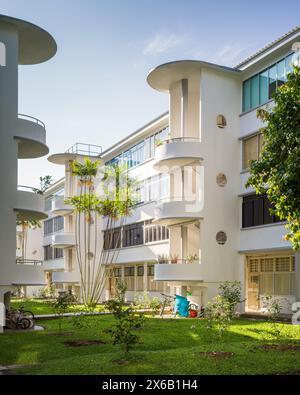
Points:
(35, 44)
(163, 76)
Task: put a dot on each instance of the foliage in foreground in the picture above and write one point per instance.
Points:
(277, 172)
(170, 346)
(126, 320)
(220, 311)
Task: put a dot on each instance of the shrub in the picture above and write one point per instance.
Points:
(273, 308)
(46, 292)
(232, 293)
(218, 313)
(126, 320)
(61, 306)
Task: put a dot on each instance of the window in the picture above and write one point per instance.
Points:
(263, 87)
(140, 271)
(47, 253)
(255, 91)
(141, 151)
(260, 88)
(112, 239)
(52, 253)
(276, 275)
(118, 272)
(53, 225)
(58, 253)
(129, 271)
(58, 223)
(256, 211)
(251, 149)
(272, 81)
(156, 187)
(133, 235)
(151, 270)
(155, 232)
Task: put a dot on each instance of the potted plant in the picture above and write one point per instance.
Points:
(158, 142)
(162, 258)
(174, 258)
(191, 258)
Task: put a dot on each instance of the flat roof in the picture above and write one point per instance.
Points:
(269, 46)
(35, 44)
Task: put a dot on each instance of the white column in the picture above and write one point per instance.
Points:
(184, 107)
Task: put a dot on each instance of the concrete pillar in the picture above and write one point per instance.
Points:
(184, 108)
(145, 282)
(8, 151)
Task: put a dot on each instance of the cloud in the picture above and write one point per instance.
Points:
(162, 43)
(228, 54)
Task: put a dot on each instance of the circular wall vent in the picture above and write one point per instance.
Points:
(221, 237)
(221, 180)
(221, 121)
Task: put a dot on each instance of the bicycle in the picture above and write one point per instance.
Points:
(16, 319)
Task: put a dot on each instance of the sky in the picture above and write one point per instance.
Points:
(95, 91)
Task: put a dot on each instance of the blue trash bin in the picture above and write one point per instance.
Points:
(181, 306)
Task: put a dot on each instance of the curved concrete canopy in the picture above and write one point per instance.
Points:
(163, 76)
(61, 159)
(64, 157)
(30, 149)
(27, 215)
(35, 44)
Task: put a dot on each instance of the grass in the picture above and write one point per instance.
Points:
(167, 346)
(43, 306)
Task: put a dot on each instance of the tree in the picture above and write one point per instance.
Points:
(45, 182)
(114, 202)
(277, 171)
(126, 320)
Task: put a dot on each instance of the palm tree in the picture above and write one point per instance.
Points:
(115, 204)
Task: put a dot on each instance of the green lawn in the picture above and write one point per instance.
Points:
(42, 306)
(167, 346)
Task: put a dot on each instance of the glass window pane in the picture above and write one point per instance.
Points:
(246, 95)
(255, 91)
(266, 284)
(250, 150)
(281, 78)
(263, 87)
(272, 81)
(282, 284)
(289, 64)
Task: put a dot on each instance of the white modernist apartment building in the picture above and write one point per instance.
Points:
(22, 136)
(196, 224)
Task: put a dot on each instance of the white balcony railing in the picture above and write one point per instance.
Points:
(30, 262)
(32, 119)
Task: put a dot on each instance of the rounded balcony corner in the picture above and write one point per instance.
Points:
(181, 151)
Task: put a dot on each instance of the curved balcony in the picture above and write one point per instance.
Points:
(28, 272)
(29, 205)
(59, 207)
(172, 211)
(63, 239)
(35, 44)
(54, 264)
(66, 277)
(179, 151)
(31, 136)
(178, 272)
(77, 151)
